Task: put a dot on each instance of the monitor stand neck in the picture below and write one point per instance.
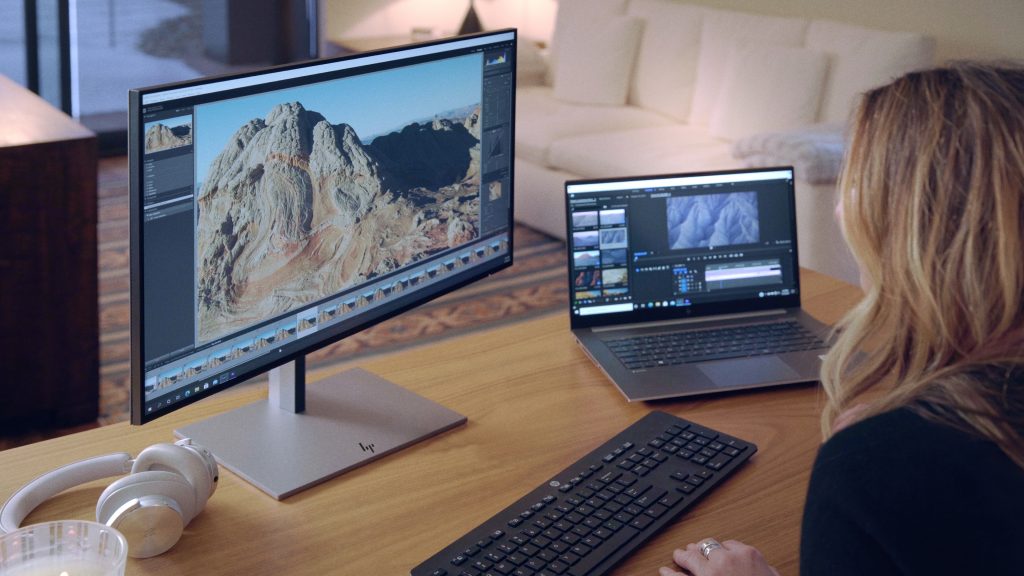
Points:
(287, 389)
(301, 437)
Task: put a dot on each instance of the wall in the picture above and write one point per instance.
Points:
(364, 18)
(962, 28)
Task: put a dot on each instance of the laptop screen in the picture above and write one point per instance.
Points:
(663, 247)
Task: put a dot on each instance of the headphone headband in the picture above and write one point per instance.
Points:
(27, 498)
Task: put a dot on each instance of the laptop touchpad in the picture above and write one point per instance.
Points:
(748, 371)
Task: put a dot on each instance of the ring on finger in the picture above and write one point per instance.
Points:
(707, 546)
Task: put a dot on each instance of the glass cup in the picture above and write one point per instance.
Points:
(63, 548)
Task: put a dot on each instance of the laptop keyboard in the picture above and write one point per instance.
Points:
(672, 348)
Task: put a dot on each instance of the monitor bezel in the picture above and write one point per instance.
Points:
(321, 339)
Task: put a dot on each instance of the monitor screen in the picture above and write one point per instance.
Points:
(275, 212)
(666, 247)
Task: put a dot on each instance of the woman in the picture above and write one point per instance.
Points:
(929, 477)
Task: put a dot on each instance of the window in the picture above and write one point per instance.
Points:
(84, 55)
(13, 61)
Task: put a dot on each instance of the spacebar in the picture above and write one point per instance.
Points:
(602, 552)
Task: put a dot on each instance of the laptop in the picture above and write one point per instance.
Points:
(687, 284)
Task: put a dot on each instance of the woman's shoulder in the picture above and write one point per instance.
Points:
(900, 484)
(903, 440)
(902, 458)
(893, 434)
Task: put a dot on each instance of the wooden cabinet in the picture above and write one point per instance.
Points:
(49, 320)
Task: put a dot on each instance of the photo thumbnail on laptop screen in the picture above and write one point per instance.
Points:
(681, 241)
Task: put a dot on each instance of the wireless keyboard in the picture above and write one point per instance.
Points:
(589, 517)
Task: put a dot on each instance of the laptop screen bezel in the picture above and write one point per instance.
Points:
(696, 310)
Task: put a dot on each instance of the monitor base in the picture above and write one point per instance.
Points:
(351, 419)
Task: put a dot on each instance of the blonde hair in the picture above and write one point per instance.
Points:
(932, 194)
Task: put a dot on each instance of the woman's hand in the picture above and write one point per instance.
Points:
(732, 558)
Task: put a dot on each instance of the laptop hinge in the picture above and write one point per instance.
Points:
(715, 318)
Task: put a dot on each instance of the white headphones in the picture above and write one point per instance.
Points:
(166, 487)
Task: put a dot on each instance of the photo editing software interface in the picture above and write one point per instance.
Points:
(284, 209)
(680, 242)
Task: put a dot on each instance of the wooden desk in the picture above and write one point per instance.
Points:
(535, 404)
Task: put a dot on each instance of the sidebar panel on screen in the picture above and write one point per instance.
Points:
(168, 233)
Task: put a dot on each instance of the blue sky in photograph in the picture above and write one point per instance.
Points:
(373, 104)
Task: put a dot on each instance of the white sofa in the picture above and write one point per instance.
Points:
(659, 86)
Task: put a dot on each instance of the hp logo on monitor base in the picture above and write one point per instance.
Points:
(367, 447)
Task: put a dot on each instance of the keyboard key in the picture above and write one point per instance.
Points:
(626, 479)
(636, 491)
(558, 547)
(581, 549)
(569, 558)
(656, 510)
(670, 499)
(611, 546)
(528, 550)
(536, 564)
(641, 522)
(558, 567)
(547, 555)
(718, 461)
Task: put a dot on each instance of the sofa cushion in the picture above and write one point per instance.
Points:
(720, 32)
(595, 60)
(655, 150)
(768, 88)
(541, 119)
(861, 59)
(573, 11)
(815, 152)
(665, 72)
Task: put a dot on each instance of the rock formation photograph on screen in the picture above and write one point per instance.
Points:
(713, 220)
(296, 208)
(160, 137)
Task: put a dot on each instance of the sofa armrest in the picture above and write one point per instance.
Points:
(532, 63)
(814, 151)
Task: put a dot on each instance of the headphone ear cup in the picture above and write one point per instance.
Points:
(149, 508)
(188, 464)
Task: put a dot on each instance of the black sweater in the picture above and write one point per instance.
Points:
(898, 494)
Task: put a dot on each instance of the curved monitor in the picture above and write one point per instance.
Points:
(273, 213)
